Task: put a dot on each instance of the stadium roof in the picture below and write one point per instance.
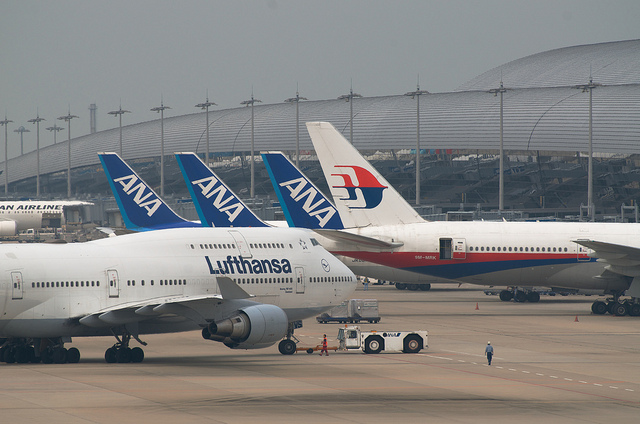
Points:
(542, 111)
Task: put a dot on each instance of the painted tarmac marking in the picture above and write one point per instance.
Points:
(523, 371)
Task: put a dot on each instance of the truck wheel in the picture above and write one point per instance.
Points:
(287, 347)
(373, 344)
(412, 343)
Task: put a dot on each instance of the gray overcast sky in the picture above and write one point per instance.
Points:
(77, 52)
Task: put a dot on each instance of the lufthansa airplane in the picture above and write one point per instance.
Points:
(245, 287)
(590, 256)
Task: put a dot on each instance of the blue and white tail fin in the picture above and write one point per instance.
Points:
(216, 204)
(140, 206)
(363, 197)
(302, 203)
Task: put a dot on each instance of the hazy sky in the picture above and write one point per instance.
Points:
(56, 54)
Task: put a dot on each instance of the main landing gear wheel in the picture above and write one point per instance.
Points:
(121, 352)
(619, 309)
(520, 296)
(599, 307)
(533, 297)
(287, 347)
(506, 295)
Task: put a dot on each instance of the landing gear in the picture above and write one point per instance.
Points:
(617, 306)
(47, 351)
(288, 345)
(121, 353)
(519, 295)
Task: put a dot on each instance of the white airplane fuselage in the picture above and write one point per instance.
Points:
(46, 289)
(501, 253)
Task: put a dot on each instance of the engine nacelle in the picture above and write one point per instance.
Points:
(8, 228)
(253, 327)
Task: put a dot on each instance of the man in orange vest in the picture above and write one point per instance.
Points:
(324, 346)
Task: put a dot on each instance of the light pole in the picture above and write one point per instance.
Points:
(161, 109)
(247, 103)
(297, 101)
(21, 130)
(349, 98)
(205, 106)
(55, 130)
(495, 92)
(6, 159)
(68, 119)
(37, 121)
(589, 87)
(119, 114)
(417, 94)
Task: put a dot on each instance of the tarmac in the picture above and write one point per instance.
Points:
(554, 362)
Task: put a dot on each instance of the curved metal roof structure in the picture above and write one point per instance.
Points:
(542, 111)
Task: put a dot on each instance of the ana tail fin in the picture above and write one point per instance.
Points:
(363, 197)
(140, 206)
(216, 204)
(302, 203)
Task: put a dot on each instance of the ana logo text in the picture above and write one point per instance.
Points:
(143, 198)
(368, 188)
(209, 187)
(321, 209)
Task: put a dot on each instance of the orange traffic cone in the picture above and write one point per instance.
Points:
(477, 306)
(576, 320)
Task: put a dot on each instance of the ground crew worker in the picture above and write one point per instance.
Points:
(489, 352)
(324, 346)
(366, 283)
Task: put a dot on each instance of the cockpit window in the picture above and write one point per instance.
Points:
(314, 242)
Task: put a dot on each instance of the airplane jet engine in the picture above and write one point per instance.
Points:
(253, 327)
(8, 228)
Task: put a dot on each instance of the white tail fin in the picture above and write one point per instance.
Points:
(363, 197)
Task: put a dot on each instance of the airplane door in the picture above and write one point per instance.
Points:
(583, 253)
(241, 243)
(16, 283)
(114, 283)
(459, 249)
(300, 280)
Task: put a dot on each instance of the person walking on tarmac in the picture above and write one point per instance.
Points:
(366, 283)
(324, 346)
(489, 352)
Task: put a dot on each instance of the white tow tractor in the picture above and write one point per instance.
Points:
(352, 337)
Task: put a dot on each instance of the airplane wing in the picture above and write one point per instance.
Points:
(193, 308)
(618, 256)
(361, 242)
(622, 260)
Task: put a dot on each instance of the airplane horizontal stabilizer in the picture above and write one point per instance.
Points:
(361, 242)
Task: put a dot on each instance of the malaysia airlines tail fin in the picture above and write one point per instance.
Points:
(216, 204)
(302, 203)
(363, 197)
(140, 206)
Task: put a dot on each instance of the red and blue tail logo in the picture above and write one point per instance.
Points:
(368, 189)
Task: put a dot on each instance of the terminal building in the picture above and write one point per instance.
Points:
(546, 121)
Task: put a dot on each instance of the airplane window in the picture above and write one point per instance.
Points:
(290, 246)
(543, 249)
(537, 249)
(565, 249)
(498, 248)
(493, 248)
(97, 283)
(314, 242)
(192, 246)
(81, 283)
(554, 249)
